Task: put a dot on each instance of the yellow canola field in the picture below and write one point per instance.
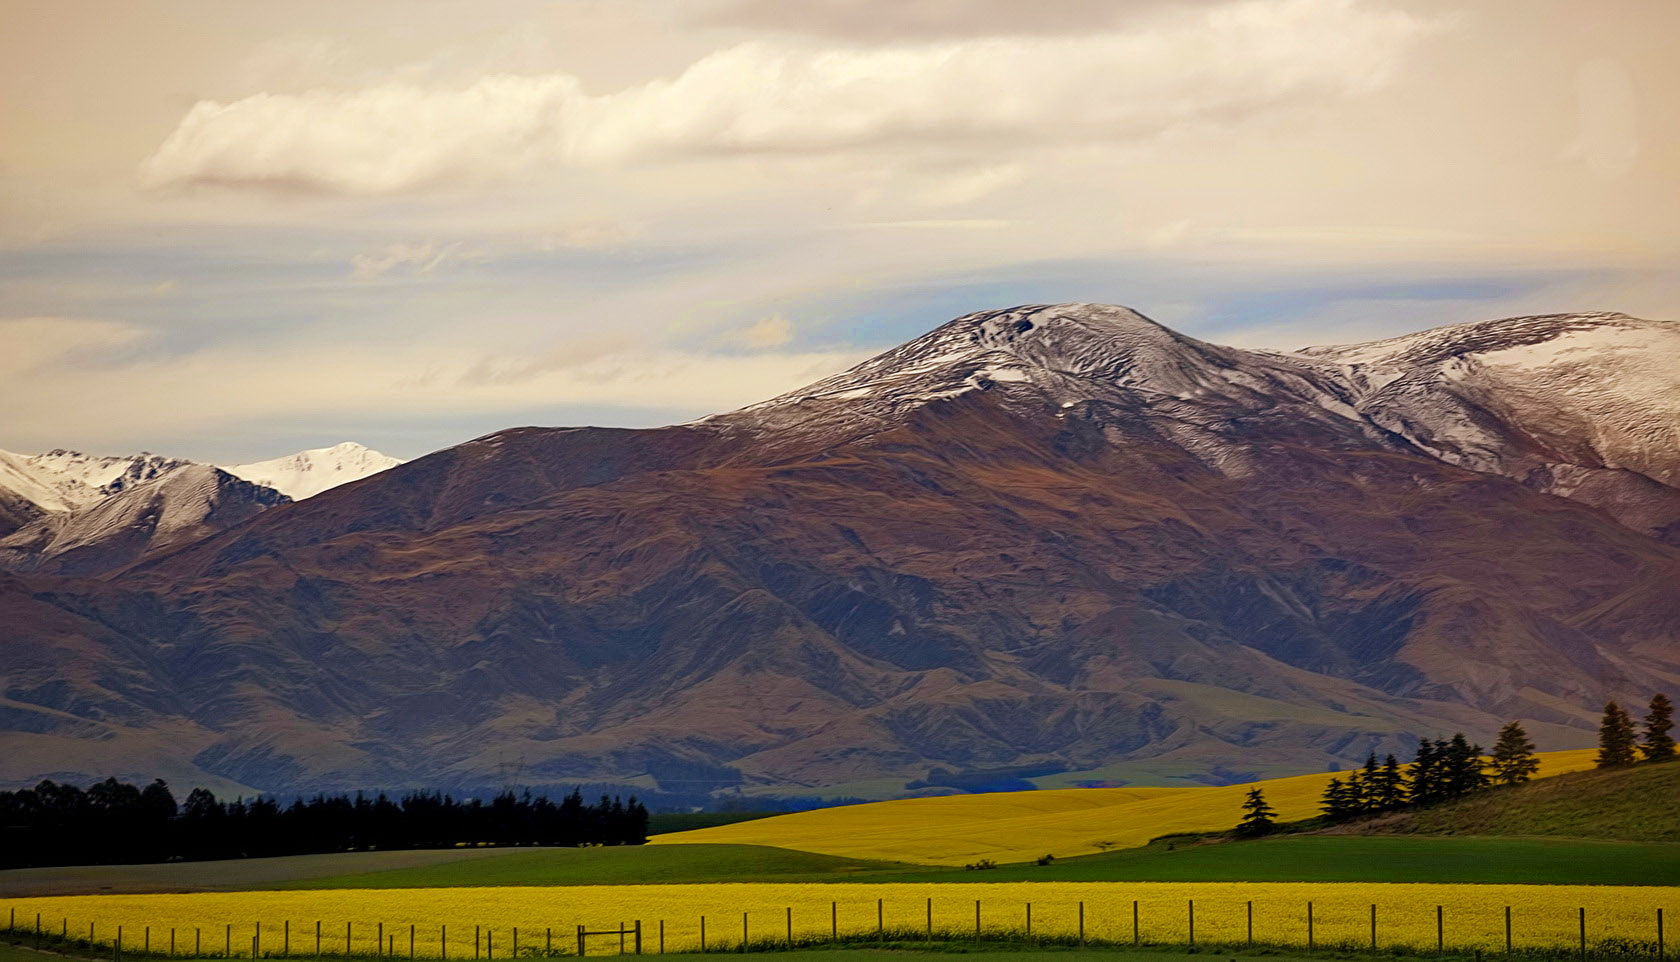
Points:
(1017, 826)
(1472, 915)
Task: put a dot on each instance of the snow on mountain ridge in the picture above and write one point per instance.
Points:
(308, 473)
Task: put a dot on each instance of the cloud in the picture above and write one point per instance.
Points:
(30, 344)
(1227, 64)
(891, 19)
(414, 259)
(965, 187)
(773, 330)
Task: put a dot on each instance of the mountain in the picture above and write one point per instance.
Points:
(308, 473)
(65, 512)
(1054, 538)
(183, 505)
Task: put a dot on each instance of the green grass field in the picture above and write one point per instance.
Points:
(1288, 859)
(622, 866)
(1295, 858)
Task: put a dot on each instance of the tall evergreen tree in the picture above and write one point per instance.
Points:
(1426, 773)
(1390, 792)
(1615, 738)
(1659, 720)
(1364, 784)
(1462, 771)
(1513, 756)
(1258, 817)
(1340, 801)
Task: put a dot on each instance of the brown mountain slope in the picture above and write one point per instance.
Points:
(1059, 545)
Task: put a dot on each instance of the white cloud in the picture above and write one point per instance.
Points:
(773, 330)
(968, 186)
(1224, 65)
(417, 259)
(30, 344)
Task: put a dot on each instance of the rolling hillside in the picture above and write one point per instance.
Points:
(1016, 826)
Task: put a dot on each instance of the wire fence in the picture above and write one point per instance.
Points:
(1537, 932)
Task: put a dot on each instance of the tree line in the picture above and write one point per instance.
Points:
(1448, 768)
(114, 822)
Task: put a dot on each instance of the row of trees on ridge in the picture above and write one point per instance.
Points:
(116, 822)
(1449, 768)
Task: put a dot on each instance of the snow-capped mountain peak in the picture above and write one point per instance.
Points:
(308, 473)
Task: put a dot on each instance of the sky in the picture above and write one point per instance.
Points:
(229, 231)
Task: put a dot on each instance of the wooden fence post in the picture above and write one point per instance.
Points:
(1662, 950)
(834, 921)
(743, 932)
(1507, 930)
(443, 941)
(702, 933)
(1251, 923)
(1029, 921)
(1081, 923)
(880, 921)
(1309, 926)
(1192, 923)
(1373, 926)
(1135, 936)
(581, 947)
(1583, 933)
(976, 920)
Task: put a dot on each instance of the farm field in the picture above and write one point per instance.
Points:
(1472, 915)
(1018, 826)
(244, 873)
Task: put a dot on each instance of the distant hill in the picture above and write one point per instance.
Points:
(1045, 541)
(1639, 804)
(1020, 826)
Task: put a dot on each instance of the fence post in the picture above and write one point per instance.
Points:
(490, 943)
(1662, 950)
(929, 924)
(254, 941)
(286, 938)
(1309, 926)
(581, 946)
(702, 933)
(1583, 933)
(638, 936)
(1081, 923)
(1251, 923)
(834, 921)
(1373, 926)
(1192, 923)
(317, 940)
(976, 920)
(515, 942)
(443, 941)
(117, 945)
(1135, 936)
(1440, 929)
(1508, 930)
(743, 932)
(880, 921)
(227, 941)
(1029, 921)
(198, 939)
(411, 942)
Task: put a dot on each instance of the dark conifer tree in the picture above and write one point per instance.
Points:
(1340, 801)
(1426, 773)
(1258, 817)
(1462, 771)
(1659, 720)
(1390, 791)
(1615, 738)
(1513, 756)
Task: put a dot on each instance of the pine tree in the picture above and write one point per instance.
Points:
(1461, 768)
(1659, 745)
(1364, 784)
(1257, 817)
(1513, 756)
(1615, 738)
(1390, 791)
(1426, 773)
(1341, 800)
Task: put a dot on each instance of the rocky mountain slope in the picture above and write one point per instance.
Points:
(65, 512)
(1049, 538)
